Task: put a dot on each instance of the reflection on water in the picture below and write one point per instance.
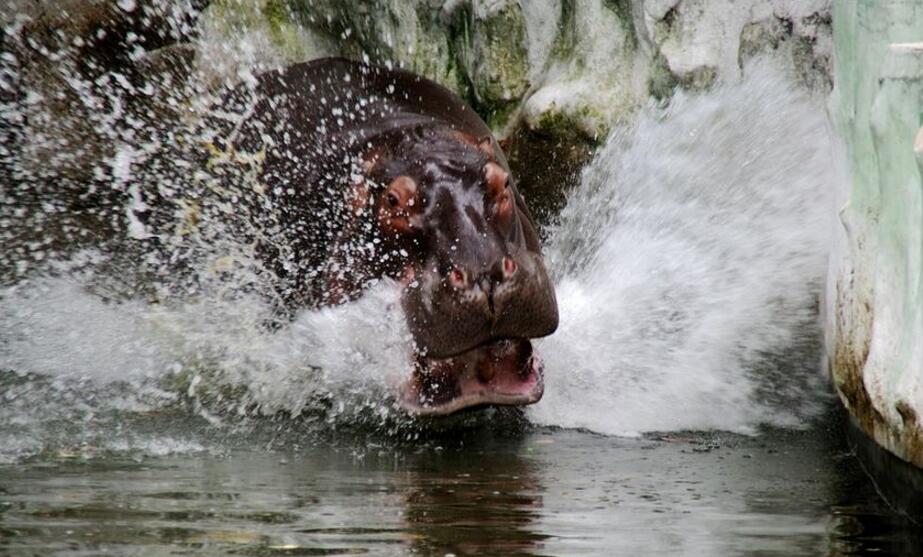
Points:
(488, 502)
(548, 492)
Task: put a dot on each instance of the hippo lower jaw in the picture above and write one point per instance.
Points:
(502, 373)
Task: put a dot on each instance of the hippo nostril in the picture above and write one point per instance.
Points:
(457, 278)
(486, 370)
(509, 267)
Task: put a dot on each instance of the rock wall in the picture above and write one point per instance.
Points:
(874, 332)
(551, 77)
(82, 83)
(554, 65)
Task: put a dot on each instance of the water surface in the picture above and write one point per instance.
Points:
(141, 416)
(480, 490)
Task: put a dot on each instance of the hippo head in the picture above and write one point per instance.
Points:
(475, 289)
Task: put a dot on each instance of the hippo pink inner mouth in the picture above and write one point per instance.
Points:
(504, 372)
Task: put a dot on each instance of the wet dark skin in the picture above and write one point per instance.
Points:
(373, 173)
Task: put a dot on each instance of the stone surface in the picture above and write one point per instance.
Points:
(75, 70)
(80, 80)
(555, 74)
(556, 66)
(874, 330)
(243, 37)
(419, 35)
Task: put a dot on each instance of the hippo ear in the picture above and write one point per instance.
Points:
(357, 190)
(485, 144)
(497, 178)
(358, 198)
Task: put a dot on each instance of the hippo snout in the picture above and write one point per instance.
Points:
(481, 286)
(450, 313)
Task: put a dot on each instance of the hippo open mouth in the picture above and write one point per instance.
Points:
(503, 372)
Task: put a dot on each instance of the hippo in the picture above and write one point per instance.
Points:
(362, 172)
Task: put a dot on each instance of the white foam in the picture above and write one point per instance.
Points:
(692, 252)
(56, 328)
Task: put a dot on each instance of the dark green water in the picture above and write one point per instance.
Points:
(538, 492)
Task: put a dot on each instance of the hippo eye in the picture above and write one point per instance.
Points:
(397, 206)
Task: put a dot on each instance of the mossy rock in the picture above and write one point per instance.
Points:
(547, 166)
(289, 40)
(492, 48)
(405, 33)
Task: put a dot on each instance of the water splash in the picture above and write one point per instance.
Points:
(689, 264)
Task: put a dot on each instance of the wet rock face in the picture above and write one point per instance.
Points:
(553, 67)
(581, 64)
(492, 46)
(874, 313)
(547, 167)
(77, 69)
(559, 72)
(79, 79)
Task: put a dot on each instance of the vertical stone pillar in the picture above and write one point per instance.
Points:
(875, 296)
